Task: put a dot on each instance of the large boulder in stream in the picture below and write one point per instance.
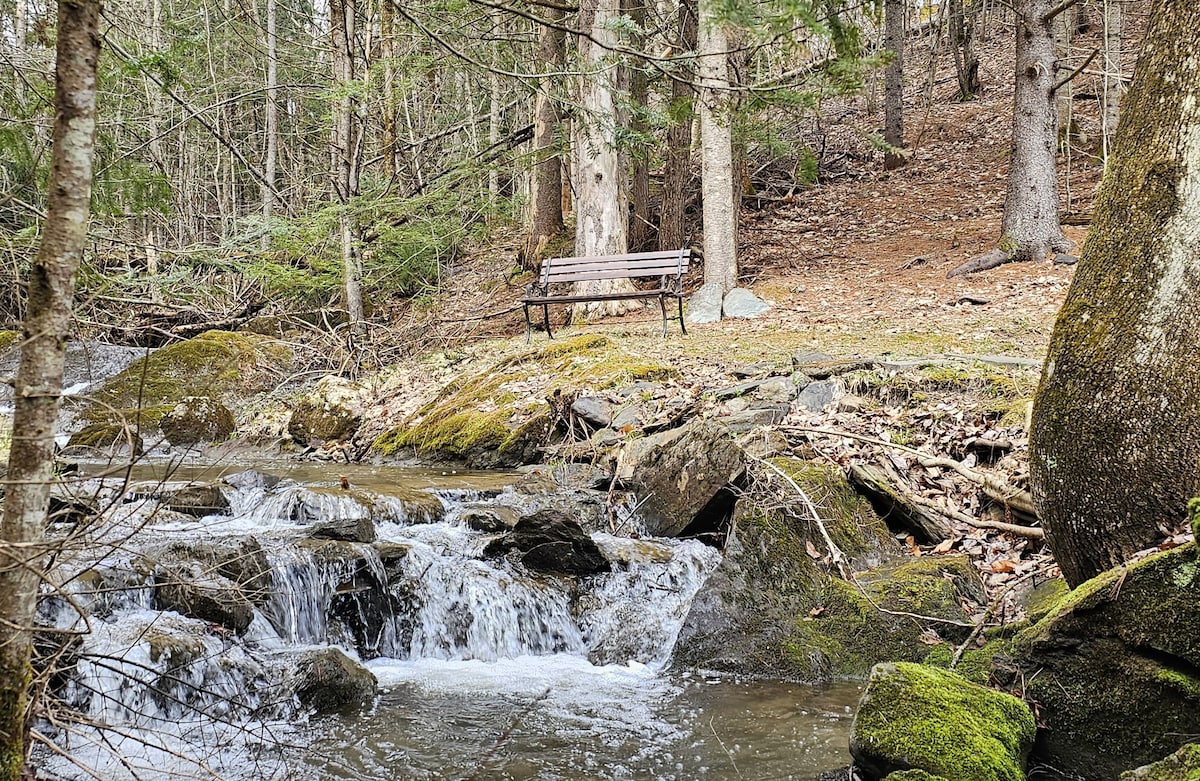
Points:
(1115, 667)
(681, 475)
(551, 541)
(197, 419)
(328, 680)
(776, 606)
(1183, 765)
(914, 717)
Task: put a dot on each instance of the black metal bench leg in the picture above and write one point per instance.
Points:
(546, 320)
(528, 327)
(681, 323)
(662, 304)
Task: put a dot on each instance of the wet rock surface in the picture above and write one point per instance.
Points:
(327, 681)
(551, 541)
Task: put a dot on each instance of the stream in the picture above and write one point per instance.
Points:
(486, 670)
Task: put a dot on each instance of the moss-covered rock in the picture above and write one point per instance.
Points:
(197, 419)
(9, 340)
(917, 717)
(497, 416)
(107, 438)
(217, 364)
(1183, 765)
(771, 609)
(913, 775)
(1113, 667)
(331, 411)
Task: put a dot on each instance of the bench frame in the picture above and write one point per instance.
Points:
(669, 266)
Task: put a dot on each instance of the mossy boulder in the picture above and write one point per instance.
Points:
(914, 717)
(913, 775)
(497, 416)
(1113, 667)
(771, 608)
(328, 680)
(197, 419)
(1183, 765)
(217, 364)
(331, 411)
(107, 438)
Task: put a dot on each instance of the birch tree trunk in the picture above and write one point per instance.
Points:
(601, 198)
(893, 84)
(677, 167)
(39, 376)
(716, 152)
(545, 186)
(1115, 442)
(1030, 230)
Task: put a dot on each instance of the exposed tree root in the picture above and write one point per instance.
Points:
(988, 260)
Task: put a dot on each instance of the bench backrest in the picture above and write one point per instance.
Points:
(637, 264)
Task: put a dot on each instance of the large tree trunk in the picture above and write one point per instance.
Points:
(39, 376)
(1030, 230)
(546, 184)
(716, 153)
(1115, 443)
(601, 199)
(893, 84)
(677, 167)
(641, 230)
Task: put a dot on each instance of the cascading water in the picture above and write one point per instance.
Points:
(450, 633)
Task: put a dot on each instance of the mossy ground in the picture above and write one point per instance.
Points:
(914, 716)
(486, 416)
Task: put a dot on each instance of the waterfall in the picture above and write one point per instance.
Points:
(421, 594)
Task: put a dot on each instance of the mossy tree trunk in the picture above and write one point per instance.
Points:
(1115, 444)
(39, 376)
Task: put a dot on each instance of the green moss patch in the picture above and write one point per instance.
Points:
(918, 717)
(9, 340)
(848, 517)
(488, 417)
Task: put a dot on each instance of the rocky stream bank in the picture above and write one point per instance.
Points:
(831, 518)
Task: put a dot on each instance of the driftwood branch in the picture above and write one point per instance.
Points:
(1015, 498)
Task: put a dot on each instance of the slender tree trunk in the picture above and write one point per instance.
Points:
(601, 203)
(344, 152)
(388, 52)
(272, 128)
(677, 167)
(39, 376)
(641, 231)
(494, 111)
(1115, 442)
(1113, 84)
(716, 153)
(893, 99)
(1030, 229)
(964, 28)
(546, 185)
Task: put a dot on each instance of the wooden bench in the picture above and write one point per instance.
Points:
(668, 266)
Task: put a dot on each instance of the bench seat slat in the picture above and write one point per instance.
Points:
(645, 269)
(586, 276)
(596, 297)
(665, 255)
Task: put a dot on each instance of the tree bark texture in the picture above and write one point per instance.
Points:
(1115, 442)
(39, 375)
(893, 83)
(272, 126)
(546, 184)
(601, 195)
(677, 165)
(716, 152)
